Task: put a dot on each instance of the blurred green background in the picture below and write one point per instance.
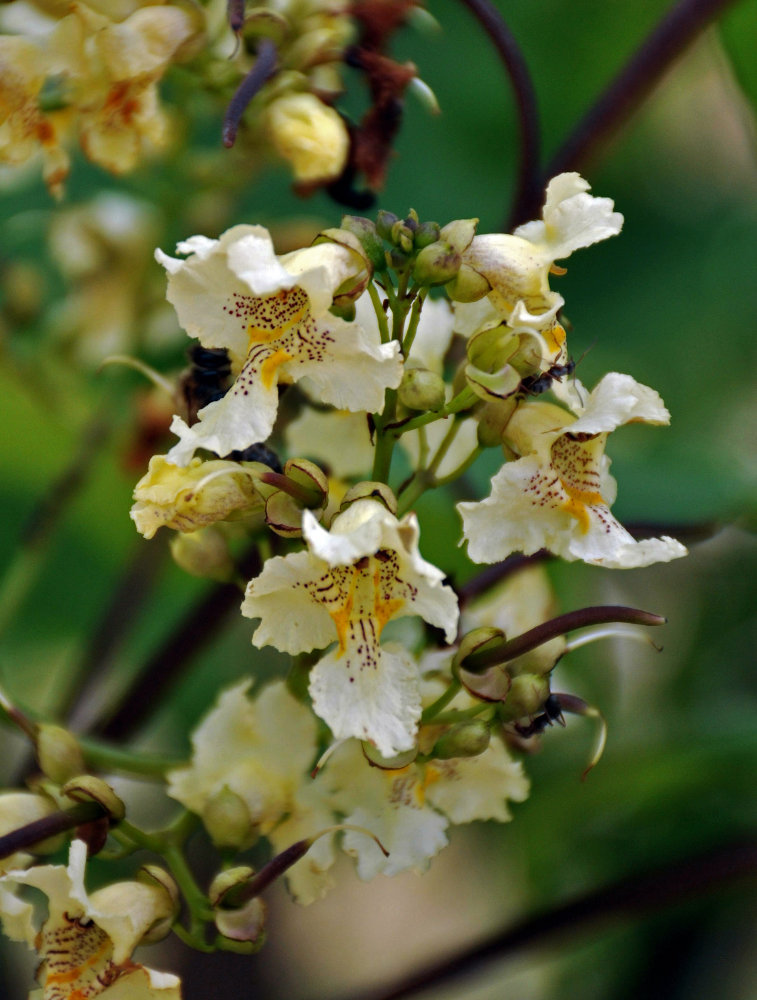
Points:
(673, 302)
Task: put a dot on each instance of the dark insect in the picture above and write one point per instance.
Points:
(552, 713)
(207, 379)
(535, 385)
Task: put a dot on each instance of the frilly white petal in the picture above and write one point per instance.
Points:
(412, 837)
(616, 400)
(478, 788)
(379, 701)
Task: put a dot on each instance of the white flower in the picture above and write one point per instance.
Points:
(517, 266)
(86, 941)
(272, 315)
(262, 750)
(410, 808)
(558, 495)
(356, 577)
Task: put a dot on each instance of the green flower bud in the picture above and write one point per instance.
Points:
(426, 234)
(397, 259)
(311, 478)
(491, 386)
(372, 491)
(478, 640)
(490, 349)
(227, 880)
(227, 819)
(154, 875)
(436, 264)
(58, 753)
(385, 222)
(527, 695)
(403, 232)
(369, 238)
(421, 389)
(466, 739)
(468, 285)
(283, 514)
(88, 788)
(492, 420)
(204, 553)
(401, 760)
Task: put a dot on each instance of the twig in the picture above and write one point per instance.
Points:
(619, 100)
(640, 894)
(529, 189)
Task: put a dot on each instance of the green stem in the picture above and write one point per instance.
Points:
(378, 308)
(430, 713)
(462, 401)
(106, 758)
(412, 327)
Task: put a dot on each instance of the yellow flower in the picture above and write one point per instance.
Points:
(310, 135)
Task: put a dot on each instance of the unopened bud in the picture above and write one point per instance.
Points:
(204, 553)
(157, 877)
(436, 264)
(466, 739)
(421, 389)
(493, 386)
(225, 881)
(426, 234)
(385, 222)
(492, 420)
(478, 640)
(58, 753)
(369, 238)
(527, 695)
(372, 491)
(311, 479)
(467, 285)
(402, 235)
(242, 923)
(227, 819)
(395, 763)
(88, 788)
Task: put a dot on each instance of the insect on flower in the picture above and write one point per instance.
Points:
(535, 385)
(206, 380)
(552, 713)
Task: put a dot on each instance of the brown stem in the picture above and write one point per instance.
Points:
(264, 68)
(196, 630)
(529, 187)
(638, 895)
(49, 826)
(678, 28)
(600, 615)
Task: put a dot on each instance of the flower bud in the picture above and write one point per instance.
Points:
(459, 233)
(385, 222)
(283, 515)
(311, 478)
(204, 553)
(526, 697)
(490, 349)
(478, 640)
(88, 788)
(58, 753)
(492, 420)
(493, 386)
(426, 234)
(467, 285)
(466, 739)
(395, 763)
(157, 877)
(227, 820)
(421, 389)
(243, 923)
(370, 491)
(309, 134)
(436, 264)
(366, 233)
(403, 232)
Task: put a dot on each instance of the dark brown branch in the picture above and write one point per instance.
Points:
(529, 189)
(27, 836)
(616, 104)
(263, 70)
(569, 622)
(636, 896)
(193, 633)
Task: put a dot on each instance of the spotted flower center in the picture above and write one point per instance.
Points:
(575, 459)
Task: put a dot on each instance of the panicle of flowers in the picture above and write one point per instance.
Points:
(408, 704)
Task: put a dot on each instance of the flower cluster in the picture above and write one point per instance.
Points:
(331, 388)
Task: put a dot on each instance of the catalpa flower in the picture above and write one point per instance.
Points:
(86, 941)
(272, 315)
(517, 266)
(190, 498)
(410, 808)
(261, 752)
(558, 494)
(352, 580)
